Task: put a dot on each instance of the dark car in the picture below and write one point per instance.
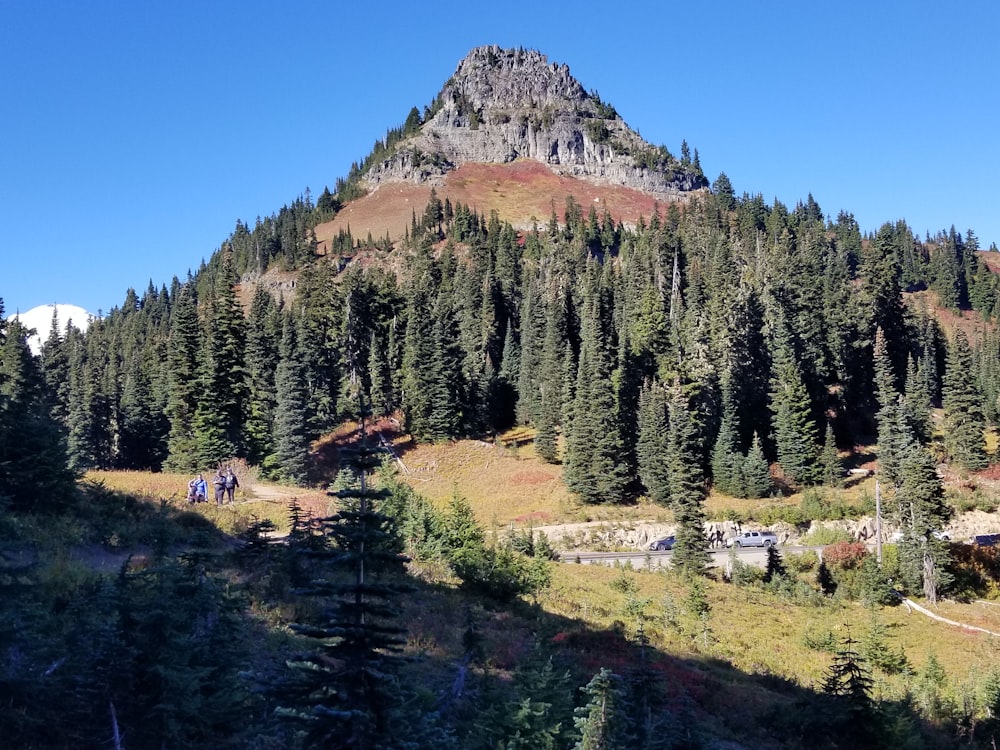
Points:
(665, 543)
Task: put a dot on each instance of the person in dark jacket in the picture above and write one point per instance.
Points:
(231, 483)
(219, 482)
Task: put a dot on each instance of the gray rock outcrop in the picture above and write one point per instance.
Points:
(507, 104)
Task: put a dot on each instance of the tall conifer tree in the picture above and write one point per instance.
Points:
(963, 410)
(687, 487)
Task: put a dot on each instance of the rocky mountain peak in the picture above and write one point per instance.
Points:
(506, 104)
(495, 78)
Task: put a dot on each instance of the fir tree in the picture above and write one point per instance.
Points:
(923, 511)
(262, 357)
(756, 473)
(964, 424)
(594, 446)
(219, 417)
(893, 438)
(727, 461)
(653, 446)
(794, 427)
(603, 722)
(829, 460)
(291, 437)
(346, 691)
(687, 488)
(34, 471)
(184, 368)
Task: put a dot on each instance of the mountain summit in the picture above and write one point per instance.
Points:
(502, 105)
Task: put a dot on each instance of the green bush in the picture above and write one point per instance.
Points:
(802, 562)
(822, 536)
(820, 639)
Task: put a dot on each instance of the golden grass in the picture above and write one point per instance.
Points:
(754, 631)
(758, 632)
(502, 484)
(259, 502)
(508, 485)
(159, 485)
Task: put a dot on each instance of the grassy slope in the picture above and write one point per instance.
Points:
(752, 631)
(520, 192)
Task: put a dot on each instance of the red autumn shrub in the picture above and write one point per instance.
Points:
(844, 555)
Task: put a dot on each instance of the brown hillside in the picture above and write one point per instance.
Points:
(521, 192)
(970, 323)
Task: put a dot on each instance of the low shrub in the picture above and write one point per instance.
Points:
(825, 536)
(802, 562)
(820, 639)
(844, 555)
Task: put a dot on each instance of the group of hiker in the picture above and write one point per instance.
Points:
(224, 483)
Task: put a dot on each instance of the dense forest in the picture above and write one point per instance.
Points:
(722, 342)
(774, 327)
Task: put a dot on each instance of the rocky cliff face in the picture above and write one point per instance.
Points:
(502, 105)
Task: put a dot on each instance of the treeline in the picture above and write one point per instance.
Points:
(768, 324)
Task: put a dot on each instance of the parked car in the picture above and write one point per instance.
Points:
(897, 536)
(986, 540)
(753, 539)
(665, 543)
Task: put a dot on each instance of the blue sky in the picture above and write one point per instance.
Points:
(133, 135)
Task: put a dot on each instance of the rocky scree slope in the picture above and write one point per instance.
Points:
(502, 105)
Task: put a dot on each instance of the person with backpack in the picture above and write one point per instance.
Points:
(219, 482)
(231, 483)
(197, 490)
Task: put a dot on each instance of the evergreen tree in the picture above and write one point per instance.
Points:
(964, 424)
(603, 722)
(219, 417)
(653, 446)
(687, 488)
(829, 460)
(917, 402)
(55, 367)
(262, 357)
(756, 472)
(727, 460)
(184, 367)
(594, 445)
(893, 438)
(923, 511)
(346, 690)
(34, 471)
(794, 427)
(849, 679)
(291, 436)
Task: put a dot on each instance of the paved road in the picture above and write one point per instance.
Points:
(650, 559)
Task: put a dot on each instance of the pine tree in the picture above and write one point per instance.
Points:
(602, 722)
(687, 488)
(653, 446)
(184, 367)
(220, 415)
(346, 691)
(291, 436)
(727, 461)
(794, 427)
(34, 468)
(923, 511)
(757, 481)
(964, 424)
